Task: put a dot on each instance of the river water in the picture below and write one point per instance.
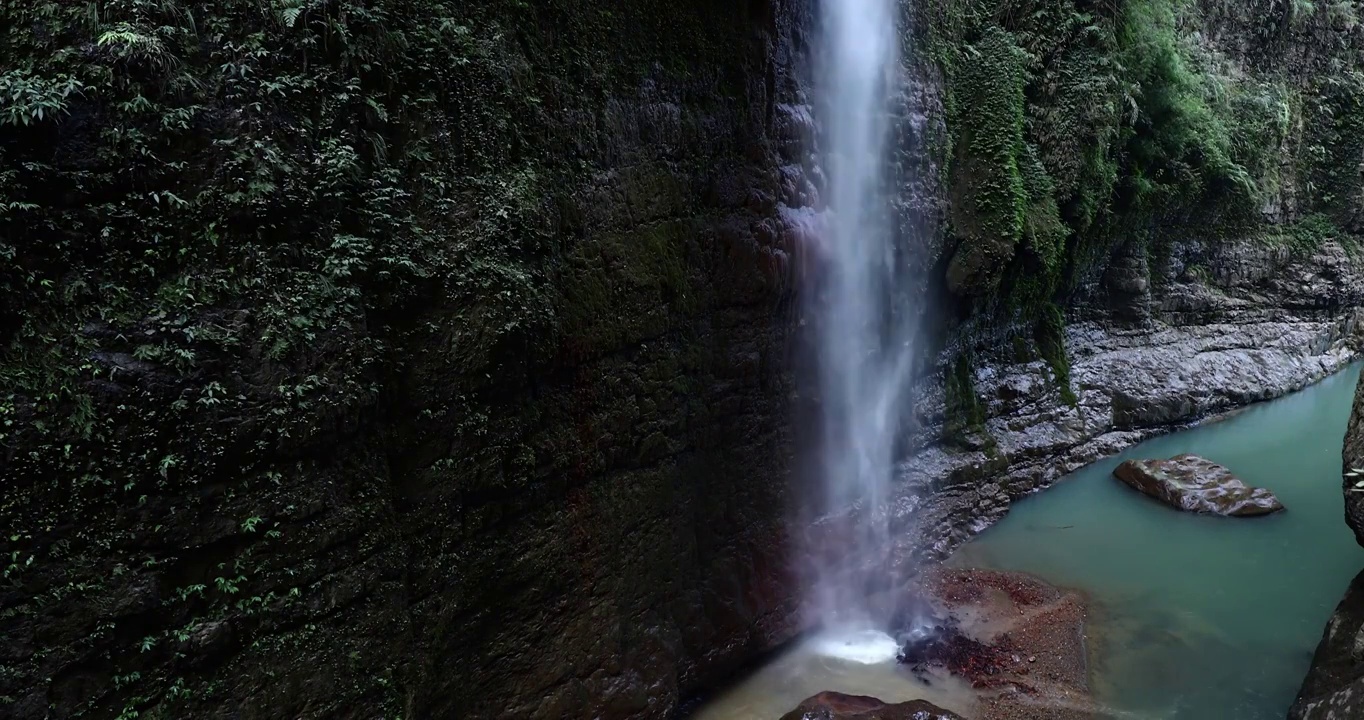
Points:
(1200, 617)
(1193, 617)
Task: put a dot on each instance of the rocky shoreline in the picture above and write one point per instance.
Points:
(1019, 642)
(1132, 382)
(1130, 385)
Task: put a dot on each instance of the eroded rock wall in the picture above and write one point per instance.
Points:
(1167, 303)
(525, 457)
(506, 428)
(1334, 686)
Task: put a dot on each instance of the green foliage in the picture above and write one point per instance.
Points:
(1334, 143)
(1051, 345)
(964, 413)
(1306, 236)
(988, 191)
(29, 99)
(1177, 146)
(234, 232)
(1128, 119)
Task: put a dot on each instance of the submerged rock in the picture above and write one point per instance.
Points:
(1197, 484)
(946, 645)
(837, 706)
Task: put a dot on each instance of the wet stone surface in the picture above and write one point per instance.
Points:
(1016, 639)
(940, 642)
(838, 706)
(1195, 484)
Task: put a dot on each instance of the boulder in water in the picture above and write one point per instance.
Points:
(837, 706)
(1197, 484)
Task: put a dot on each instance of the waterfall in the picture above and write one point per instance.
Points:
(862, 321)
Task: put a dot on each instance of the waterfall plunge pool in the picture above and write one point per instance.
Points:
(1192, 617)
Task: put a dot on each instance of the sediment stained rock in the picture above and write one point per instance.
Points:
(838, 706)
(1196, 484)
(1019, 640)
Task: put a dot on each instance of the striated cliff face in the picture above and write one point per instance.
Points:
(475, 405)
(1201, 258)
(1212, 343)
(1334, 687)
(438, 359)
(1353, 459)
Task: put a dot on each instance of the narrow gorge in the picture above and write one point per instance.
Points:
(481, 358)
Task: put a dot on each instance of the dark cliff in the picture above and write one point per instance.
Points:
(1334, 686)
(1174, 196)
(404, 359)
(435, 359)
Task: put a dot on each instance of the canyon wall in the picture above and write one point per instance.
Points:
(1334, 687)
(394, 359)
(1203, 257)
(437, 359)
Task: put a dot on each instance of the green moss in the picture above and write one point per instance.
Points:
(1051, 345)
(1334, 143)
(1305, 236)
(1033, 279)
(964, 413)
(988, 193)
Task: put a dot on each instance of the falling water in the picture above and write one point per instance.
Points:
(863, 321)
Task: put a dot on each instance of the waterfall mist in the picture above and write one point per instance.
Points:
(863, 321)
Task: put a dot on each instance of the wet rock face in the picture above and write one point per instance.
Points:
(838, 706)
(1353, 457)
(1195, 484)
(587, 525)
(1334, 687)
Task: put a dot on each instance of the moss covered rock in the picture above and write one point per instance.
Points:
(384, 358)
(988, 193)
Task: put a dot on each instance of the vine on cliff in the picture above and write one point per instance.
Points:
(988, 193)
(228, 233)
(1129, 121)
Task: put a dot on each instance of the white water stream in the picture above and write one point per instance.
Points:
(863, 322)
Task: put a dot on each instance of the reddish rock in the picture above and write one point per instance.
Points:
(979, 663)
(1195, 484)
(1021, 643)
(837, 706)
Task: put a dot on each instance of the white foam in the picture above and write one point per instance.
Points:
(868, 647)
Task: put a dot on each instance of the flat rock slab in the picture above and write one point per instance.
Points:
(1196, 484)
(837, 706)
